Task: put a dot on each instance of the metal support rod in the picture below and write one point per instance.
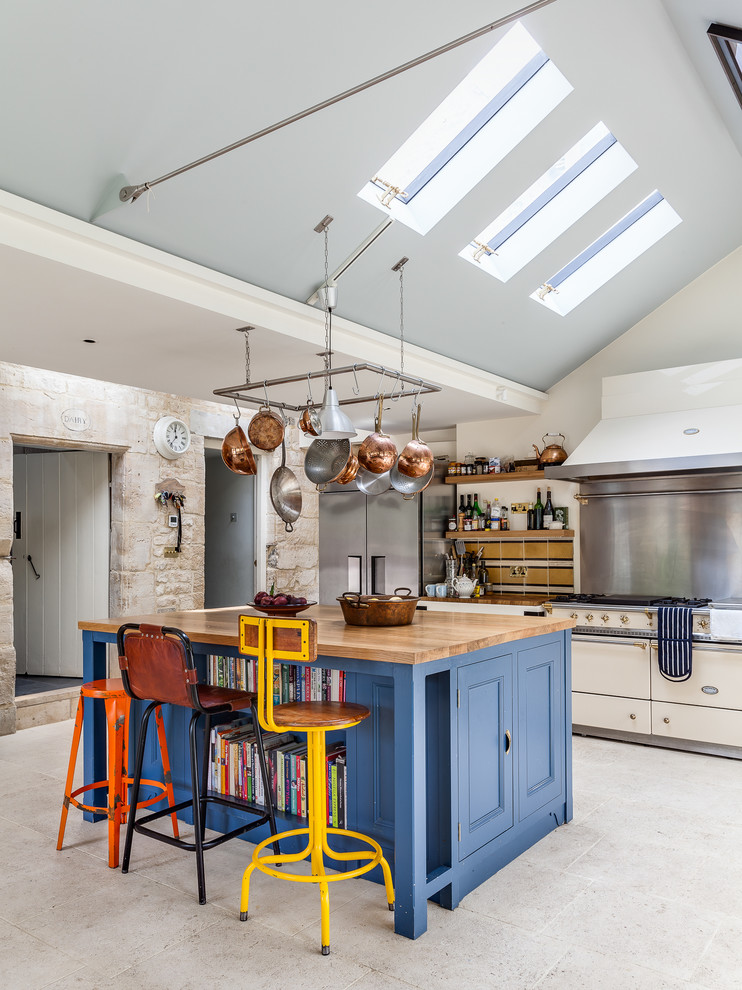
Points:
(131, 193)
(353, 256)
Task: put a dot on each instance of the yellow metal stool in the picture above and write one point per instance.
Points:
(295, 641)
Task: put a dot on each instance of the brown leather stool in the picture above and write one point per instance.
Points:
(111, 692)
(157, 665)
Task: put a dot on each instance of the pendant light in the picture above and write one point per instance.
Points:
(335, 424)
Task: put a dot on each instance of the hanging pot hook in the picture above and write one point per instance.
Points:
(392, 396)
(356, 388)
(265, 393)
(310, 400)
(237, 417)
(381, 381)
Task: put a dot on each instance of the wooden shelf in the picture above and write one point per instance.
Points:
(488, 479)
(481, 535)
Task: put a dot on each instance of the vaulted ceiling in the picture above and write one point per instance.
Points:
(92, 90)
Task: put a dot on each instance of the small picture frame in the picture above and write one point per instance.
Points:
(561, 514)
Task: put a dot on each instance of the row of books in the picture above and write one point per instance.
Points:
(291, 682)
(234, 770)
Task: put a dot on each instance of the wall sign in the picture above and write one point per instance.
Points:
(76, 420)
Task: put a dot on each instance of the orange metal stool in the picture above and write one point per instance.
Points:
(295, 641)
(117, 702)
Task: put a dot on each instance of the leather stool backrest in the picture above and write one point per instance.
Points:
(157, 664)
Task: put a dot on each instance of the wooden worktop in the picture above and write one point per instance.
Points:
(432, 635)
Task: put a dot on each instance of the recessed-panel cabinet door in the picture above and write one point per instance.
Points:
(485, 770)
(539, 748)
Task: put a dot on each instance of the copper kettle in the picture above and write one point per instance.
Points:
(554, 453)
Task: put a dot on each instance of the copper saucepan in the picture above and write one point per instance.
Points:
(416, 459)
(236, 452)
(266, 429)
(377, 453)
(351, 470)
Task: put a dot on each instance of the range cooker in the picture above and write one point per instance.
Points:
(627, 615)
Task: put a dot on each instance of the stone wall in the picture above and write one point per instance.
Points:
(121, 421)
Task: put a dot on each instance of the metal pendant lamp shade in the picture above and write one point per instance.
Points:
(335, 424)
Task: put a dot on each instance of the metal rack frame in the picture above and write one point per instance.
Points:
(418, 386)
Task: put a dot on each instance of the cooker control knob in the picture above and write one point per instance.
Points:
(704, 623)
(624, 619)
(574, 615)
(606, 617)
(589, 617)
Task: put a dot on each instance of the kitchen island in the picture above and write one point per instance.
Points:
(465, 761)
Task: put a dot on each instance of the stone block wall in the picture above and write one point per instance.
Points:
(121, 420)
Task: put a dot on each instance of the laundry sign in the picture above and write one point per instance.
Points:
(76, 420)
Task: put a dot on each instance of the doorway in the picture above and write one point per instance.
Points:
(61, 560)
(229, 537)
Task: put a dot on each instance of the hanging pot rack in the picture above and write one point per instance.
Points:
(409, 385)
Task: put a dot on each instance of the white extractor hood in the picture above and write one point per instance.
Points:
(682, 419)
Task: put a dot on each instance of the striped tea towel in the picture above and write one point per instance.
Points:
(674, 647)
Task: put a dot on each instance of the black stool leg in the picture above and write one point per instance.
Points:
(205, 753)
(134, 793)
(265, 775)
(198, 824)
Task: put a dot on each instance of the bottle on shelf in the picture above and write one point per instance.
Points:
(469, 510)
(504, 524)
(496, 514)
(529, 517)
(488, 516)
(538, 511)
(477, 515)
(548, 510)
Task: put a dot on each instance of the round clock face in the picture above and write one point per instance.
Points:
(172, 437)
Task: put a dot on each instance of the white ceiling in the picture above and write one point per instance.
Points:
(98, 90)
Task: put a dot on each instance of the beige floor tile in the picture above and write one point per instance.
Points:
(665, 936)
(380, 981)
(625, 860)
(26, 963)
(563, 846)
(721, 966)
(460, 948)
(525, 895)
(582, 968)
(117, 916)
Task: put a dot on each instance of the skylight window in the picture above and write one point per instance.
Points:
(511, 90)
(646, 224)
(563, 194)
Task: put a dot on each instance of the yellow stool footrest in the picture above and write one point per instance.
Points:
(263, 863)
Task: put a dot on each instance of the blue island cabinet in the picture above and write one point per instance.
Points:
(464, 763)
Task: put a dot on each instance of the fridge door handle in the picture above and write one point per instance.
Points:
(378, 575)
(355, 570)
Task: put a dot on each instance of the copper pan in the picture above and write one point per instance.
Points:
(416, 459)
(351, 470)
(377, 453)
(266, 429)
(236, 452)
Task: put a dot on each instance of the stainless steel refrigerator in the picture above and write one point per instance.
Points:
(374, 544)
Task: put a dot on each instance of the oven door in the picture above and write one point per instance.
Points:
(611, 683)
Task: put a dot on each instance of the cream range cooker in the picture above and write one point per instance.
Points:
(619, 692)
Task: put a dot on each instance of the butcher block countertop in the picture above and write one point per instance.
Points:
(431, 636)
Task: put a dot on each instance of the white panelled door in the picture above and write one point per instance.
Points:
(63, 499)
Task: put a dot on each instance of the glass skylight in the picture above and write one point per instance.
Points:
(511, 90)
(563, 194)
(646, 224)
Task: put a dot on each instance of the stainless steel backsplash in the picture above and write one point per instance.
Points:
(669, 536)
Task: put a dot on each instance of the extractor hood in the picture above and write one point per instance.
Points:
(702, 440)
(686, 419)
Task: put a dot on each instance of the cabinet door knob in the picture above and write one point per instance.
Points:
(666, 721)
(508, 742)
(632, 717)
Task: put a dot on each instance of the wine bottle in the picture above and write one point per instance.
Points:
(538, 511)
(529, 516)
(548, 510)
(469, 511)
(462, 504)
(477, 514)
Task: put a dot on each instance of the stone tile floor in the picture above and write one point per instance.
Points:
(642, 891)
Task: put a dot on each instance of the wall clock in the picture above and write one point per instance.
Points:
(172, 437)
